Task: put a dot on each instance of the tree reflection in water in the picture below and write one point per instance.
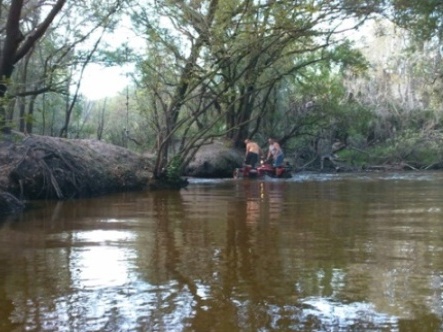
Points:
(326, 255)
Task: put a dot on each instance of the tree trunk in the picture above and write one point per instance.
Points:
(15, 46)
(29, 124)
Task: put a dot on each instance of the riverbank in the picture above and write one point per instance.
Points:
(41, 167)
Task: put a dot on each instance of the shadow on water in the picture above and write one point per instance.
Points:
(311, 253)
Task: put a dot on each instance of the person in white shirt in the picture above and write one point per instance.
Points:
(275, 152)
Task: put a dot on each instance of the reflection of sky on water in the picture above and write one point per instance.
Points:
(101, 265)
(328, 177)
(362, 176)
(337, 316)
(109, 294)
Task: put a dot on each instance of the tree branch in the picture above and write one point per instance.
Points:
(38, 32)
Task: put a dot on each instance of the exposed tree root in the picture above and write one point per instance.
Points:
(41, 167)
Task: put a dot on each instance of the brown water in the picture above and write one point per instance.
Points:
(314, 253)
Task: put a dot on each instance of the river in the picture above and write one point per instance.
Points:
(318, 252)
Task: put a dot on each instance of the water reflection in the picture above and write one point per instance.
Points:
(314, 255)
(263, 199)
(102, 265)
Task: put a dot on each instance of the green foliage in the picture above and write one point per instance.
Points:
(174, 170)
(417, 149)
(424, 18)
(234, 69)
(347, 57)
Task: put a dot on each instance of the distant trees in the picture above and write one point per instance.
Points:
(402, 91)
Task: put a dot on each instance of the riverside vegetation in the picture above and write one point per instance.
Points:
(343, 86)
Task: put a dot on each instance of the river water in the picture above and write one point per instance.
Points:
(354, 252)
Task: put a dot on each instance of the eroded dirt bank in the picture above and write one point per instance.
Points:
(42, 167)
